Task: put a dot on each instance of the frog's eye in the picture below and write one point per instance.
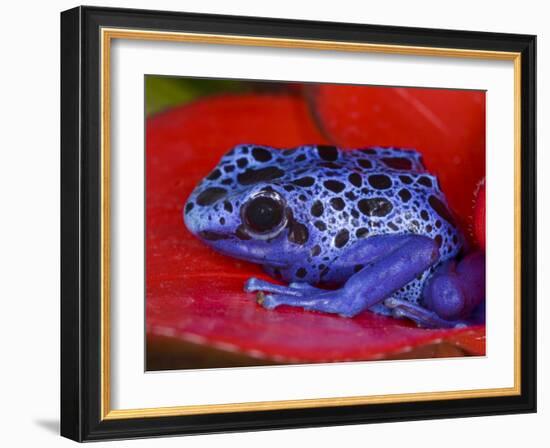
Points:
(264, 214)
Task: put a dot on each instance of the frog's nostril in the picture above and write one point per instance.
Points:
(189, 206)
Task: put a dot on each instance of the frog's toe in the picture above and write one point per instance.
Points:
(255, 284)
(271, 301)
(252, 284)
(268, 301)
(423, 317)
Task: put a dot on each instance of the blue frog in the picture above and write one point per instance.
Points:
(371, 226)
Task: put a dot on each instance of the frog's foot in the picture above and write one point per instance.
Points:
(302, 295)
(450, 296)
(422, 316)
(334, 302)
(293, 289)
(455, 290)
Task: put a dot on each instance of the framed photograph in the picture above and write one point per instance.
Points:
(276, 224)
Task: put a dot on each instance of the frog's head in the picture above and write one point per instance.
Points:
(241, 209)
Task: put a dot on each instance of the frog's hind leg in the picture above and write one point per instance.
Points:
(422, 316)
(450, 297)
(405, 258)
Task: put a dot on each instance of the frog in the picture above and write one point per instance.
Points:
(344, 230)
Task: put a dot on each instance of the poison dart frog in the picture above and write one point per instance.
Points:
(346, 230)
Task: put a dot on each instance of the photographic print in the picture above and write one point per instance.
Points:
(272, 224)
(297, 223)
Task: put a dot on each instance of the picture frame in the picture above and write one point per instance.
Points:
(87, 35)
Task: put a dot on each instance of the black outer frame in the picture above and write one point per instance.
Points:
(80, 223)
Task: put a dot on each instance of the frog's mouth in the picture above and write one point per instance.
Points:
(254, 259)
(264, 261)
(212, 236)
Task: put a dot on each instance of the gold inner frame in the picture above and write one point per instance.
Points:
(107, 35)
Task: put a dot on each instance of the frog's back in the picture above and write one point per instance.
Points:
(367, 192)
(326, 158)
(384, 159)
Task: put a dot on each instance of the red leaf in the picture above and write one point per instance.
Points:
(479, 216)
(446, 126)
(195, 294)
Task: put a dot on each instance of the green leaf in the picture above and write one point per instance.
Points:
(162, 92)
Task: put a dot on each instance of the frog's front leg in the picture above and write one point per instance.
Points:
(450, 296)
(393, 261)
